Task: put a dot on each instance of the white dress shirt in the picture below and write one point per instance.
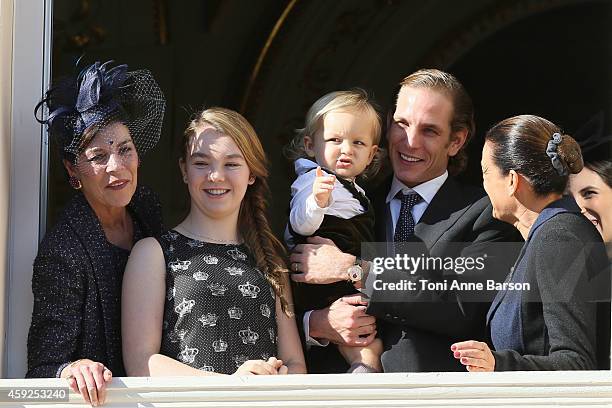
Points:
(426, 190)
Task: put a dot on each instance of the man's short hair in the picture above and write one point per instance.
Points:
(463, 109)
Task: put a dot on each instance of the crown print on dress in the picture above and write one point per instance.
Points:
(207, 368)
(188, 355)
(235, 312)
(176, 336)
(249, 290)
(195, 244)
(210, 260)
(217, 289)
(240, 360)
(170, 236)
(248, 336)
(265, 310)
(209, 320)
(219, 346)
(200, 276)
(272, 335)
(237, 255)
(179, 265)
(233, 271)
(184, 307)
(171, 293)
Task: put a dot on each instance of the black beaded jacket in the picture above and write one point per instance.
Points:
(76, 284)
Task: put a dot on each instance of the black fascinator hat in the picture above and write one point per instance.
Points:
(98, 96)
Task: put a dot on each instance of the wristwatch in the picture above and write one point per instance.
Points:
(355, 272)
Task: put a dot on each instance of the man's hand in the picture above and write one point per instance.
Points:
(319, 262)
(344, 322)
(322, 188)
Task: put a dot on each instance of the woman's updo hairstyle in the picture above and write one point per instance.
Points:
(537, 149)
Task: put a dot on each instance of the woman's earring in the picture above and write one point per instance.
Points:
(75, 183)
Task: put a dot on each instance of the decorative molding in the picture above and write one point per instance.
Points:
(160, 23)
(517, 389)
(263, 53)
(80, 30)
(463, 38)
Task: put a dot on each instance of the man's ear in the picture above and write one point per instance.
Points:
(457, 141)
(309, 146)
(514, 180)
(389, 122)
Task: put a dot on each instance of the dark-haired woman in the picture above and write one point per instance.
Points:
(212, 295)
(592, 190)
(103, 121)
(543, 320)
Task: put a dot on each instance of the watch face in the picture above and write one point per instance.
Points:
(355, 273)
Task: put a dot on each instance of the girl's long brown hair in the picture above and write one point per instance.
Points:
(267, 250)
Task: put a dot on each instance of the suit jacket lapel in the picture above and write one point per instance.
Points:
(381, 209)
(442, 212)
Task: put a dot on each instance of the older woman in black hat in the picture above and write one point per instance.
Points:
(103, 121)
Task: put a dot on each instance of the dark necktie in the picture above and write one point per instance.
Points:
(404, 229)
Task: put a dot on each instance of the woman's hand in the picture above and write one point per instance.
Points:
(474, 355)
(280, 367)
(260, 367)
(89, 378)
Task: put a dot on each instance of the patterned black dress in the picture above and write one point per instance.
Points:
(219, 309)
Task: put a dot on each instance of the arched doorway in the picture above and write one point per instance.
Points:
(273, 59)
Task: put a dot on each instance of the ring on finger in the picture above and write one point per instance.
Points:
(295, 266)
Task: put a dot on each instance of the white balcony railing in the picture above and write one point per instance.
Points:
(516, 389)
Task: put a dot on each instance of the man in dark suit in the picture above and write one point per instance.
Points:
(432, 122)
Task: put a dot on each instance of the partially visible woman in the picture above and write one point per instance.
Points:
(592, 190)
(550, 325)
(212, 295)
(102, 121)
